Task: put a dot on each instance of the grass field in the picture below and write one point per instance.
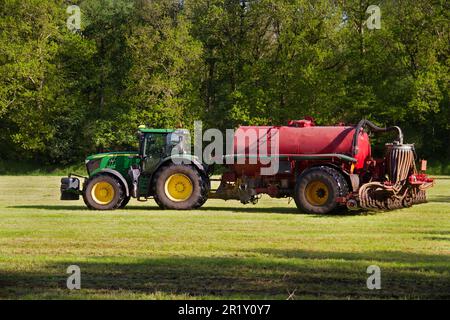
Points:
(223, 251)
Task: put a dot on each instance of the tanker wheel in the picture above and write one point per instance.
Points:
(103, 192)
(179, 187)
(317, 190)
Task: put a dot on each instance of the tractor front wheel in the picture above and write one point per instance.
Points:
(179, 187)
(125, 202)
(103, 192)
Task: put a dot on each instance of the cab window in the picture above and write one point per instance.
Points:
(155, 145)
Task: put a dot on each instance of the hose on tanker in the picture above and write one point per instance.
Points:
(400, 164)
(400, 160)
(366, 123)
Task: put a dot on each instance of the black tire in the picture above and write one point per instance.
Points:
(124, 202)
(205, 191)
(198, 184)
(116, 199)
(159, 203)
(327, 184)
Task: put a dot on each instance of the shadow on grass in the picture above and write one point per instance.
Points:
(252, 209)
(439, 199)
(438, 232)
(237, 209)
(75, 207)
(374, 256)
(49, 207)
(438, 239)
(156, 208)
(278, 210)
(340, 213)
(271, 274)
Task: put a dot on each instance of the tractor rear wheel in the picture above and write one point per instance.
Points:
(103, 192)
(205, 191)
(179, 187)
(317, 190)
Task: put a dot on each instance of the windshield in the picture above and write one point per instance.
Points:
(155, 145)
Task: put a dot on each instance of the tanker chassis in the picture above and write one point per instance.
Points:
(323, 168)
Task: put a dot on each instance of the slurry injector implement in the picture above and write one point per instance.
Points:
(322, 168)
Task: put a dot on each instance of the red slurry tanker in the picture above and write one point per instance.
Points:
(321, 167)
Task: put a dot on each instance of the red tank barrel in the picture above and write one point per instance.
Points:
(304, 140)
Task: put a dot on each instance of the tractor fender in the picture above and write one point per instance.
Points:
(118, 176)
(187, 159)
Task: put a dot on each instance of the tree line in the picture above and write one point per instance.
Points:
(165, 63)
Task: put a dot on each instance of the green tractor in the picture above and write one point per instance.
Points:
(163, 169)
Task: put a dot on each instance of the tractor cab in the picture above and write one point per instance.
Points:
(156, 145)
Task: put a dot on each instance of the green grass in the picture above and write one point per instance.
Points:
(222, 251)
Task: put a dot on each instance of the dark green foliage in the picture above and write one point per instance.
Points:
(226, 62)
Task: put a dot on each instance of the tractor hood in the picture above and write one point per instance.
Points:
(112, 154)
(117, 161)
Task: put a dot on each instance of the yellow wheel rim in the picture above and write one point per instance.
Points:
(103, 193)
(178, 187)
(317, 193)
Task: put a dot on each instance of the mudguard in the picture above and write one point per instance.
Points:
(119, 176)
(186, 159)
